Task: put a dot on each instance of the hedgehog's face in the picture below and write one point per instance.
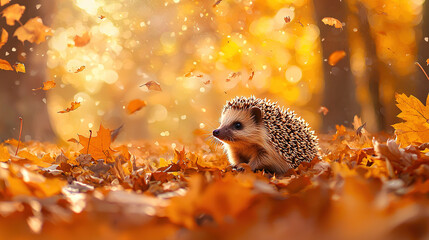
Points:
(237, 125)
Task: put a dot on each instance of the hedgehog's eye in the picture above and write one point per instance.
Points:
(237, 125)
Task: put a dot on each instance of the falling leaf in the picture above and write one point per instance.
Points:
(135, 105)
(46, 86)
(335, 57)
(80, 69)
(13, 13)
(4, 2)
(332, 22)
(102, 17)
(152, 85)
(427, 62)
(5, 65)
(74, 106)
(206, 82)
(216, 3)
(97, 146)
(33, 31)
(287, 19)
(324, 110)
(416, 116)
(233, 75)
(252, 74)
(3, 38)
(80, 41)
(19, 67)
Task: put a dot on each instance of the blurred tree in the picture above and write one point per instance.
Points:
(423, 53)
(339, 90)
(16, 95)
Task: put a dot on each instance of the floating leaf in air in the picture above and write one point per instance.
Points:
(74, 106)
(335, 57)
(152, 85)
(287, 19)
(19, 67)
(46, 86)
(332, 22)
(33, 31)
(80, 41)
(80, 69)
(13, 13)
(135, 105)
(4, 2)
(3, 38)
(5, 65)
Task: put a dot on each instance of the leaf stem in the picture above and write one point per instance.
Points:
(89, 140)
(418, 64)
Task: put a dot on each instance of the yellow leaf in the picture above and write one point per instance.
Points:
(332, 22)
(4, 36)
(19, 67)
(33, 31)
(4, 2)
(13, 13)
(415, 129)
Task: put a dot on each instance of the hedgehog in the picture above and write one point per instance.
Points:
(264, 135)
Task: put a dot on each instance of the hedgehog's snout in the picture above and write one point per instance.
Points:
(222, 134)
(216, 132)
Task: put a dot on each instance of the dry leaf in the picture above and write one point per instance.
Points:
(252, 74)
(287, 19)
(415, 129)
(80, 41)
(97, 146)
(19, 67)
(152, 85)
(46, 86)
(233, 75)
(427, 62)
(33, 31)
(332, 22)
(13, 13)
(74, 106)
(102, 17)
(335, 57)
(4, 2)
(80, 69)
(324, 110)
(3, 38)
(5, 65)
(135, 105)
(216, 3)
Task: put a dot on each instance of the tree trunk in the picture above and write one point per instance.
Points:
(339, 90)
(16, 96)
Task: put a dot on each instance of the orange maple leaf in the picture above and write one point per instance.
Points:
(135, 105)
(99, 146)
(415, 129)
(335, 57)
(33, 31)
(80, 41)
(13, 13)
(46, 86)
(332, 22)
(4, 36)
(4, 2)
(74, 106)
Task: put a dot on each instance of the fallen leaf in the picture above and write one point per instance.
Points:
(4, 37)
(335, 57)
(97, 146)
(74, 106)
(4, 2)
(5, 65)
(287, 19)
(135, 105)
(80, 41)
(80, 69)
(19, 67)
(415, 129)
(332, 22)
(324, 110)
(46, 86)
(33, 31)
(13, 13)
(152, 85)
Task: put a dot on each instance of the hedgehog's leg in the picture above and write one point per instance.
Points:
(270, 163)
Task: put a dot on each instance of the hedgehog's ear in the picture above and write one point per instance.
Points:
(256, 114)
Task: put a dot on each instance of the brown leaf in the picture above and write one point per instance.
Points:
(33, 31)
(335, 57)
(135, 105)
(5, 65)
(80, 41)
(152, 85)
(332, 22)
(287, 19)
(324, 110)
(80, 69)
(4, 37)
(13, 13)
(216, 3)
(74, 106)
